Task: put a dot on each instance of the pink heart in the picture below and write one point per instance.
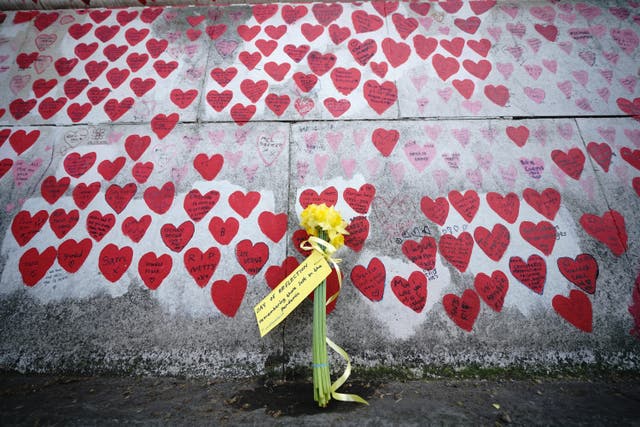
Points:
(420, 156)
(359, 136)
(397, 172)
(533, 167)
(334, 139)
(608, 134)
(441, 177)
(633, 135)
(23, 171)
(505, 69)
(373, 166)
(226, 47)
(537, 95)
(462, 136)
(321, 161)
(348, 166)
(509, 175)
(42, 63)
(475, 176)
(19, 82)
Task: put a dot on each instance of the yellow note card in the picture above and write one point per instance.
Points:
(280, 302)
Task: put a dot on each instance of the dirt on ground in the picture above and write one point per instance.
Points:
(99, 400)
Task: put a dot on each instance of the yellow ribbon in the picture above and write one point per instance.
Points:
(327, 250)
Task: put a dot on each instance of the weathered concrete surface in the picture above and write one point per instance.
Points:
(81, 401)
(155, 161)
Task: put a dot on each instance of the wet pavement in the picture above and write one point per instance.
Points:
(612, 400)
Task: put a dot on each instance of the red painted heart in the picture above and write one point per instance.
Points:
(202, 265)
(533, 273)
(99, 225)
(436, 210)
(25, 226)
(33, 265)
(223, 230)
(467, 205)
(546, 203)
(462, 310)
(274, 226)
(252, 257)
(154, 269)
(176, 238)
(370, 280)
(507, 207)
(412, 292)
(492, 289)
(72, 254)
(609, 229)
(582, 272)
(457, 250)
(422, 254)
(62, 222)
(575, 309)
(160, 200)
(135, 229)
(494, 243)
(113, 261)
(542, 235)
(198, 205)
(358, 230)
(360, 200)
(227, 295)
(243, 203)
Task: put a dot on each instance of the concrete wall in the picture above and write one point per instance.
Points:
(155, 161)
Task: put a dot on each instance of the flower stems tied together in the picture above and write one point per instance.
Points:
(323, 390)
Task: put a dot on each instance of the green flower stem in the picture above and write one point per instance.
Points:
(321, 376)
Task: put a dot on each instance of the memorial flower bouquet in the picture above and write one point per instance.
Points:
(326, 230)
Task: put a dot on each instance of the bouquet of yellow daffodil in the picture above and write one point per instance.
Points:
(326, 230)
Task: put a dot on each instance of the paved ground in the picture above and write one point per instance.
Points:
(58, 400)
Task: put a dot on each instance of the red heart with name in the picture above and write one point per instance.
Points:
(253, 90)
(396, 53)
(136, 229)
(320, 63)
(542, 235)
(243, 203)
(338, 34)
(201, 265)
(274, 226)
(412, 292)
(326, 13)
(364, 22)
(241, 114)
(153, 269)
(164, 69)
(277, 103)
(160, 200)
(297, 53)
(360, 200)
(436, 210)
(182, 99)
(99, 225)
(629, 107)
(223, 76)
(492, 289)
(219, 100)
(52, 189)
(424, 46)
(481, 47)
(457, 250)
(266, 47)
(469, 25)
(24, 226)
(601, 153)
(136, 145)
(462, 310)
(507, 207)
(380, 96)
(155, 47)
(311, 32)
(119, 197)
(358, 230)
(370, 280)
(176, 238)
(42, 86)
(582, 272)
(162, 124)
(197, 205)
(631, 156)
(33, 265)
(546, 203)
(109, 169)
(499, 94)
(21, 141)
(252, 257)
(571, 162)
(609, 229)
(142, 171)
(223, 230)
(62, 222)
(116, 109)
(467, 205)
(72, 254)
(19, 108)
(227, 295)
(493, 243)
(422, 254)
(275, 274)
(328, 196)
(77, 165)
(385, 140)
(575, 309)
(362, 52)
(445, 66)
(404, 26)
(305, 82)
(276, 71)
(345, 80)
(250, 60)
(533, 273)
(114, 262)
